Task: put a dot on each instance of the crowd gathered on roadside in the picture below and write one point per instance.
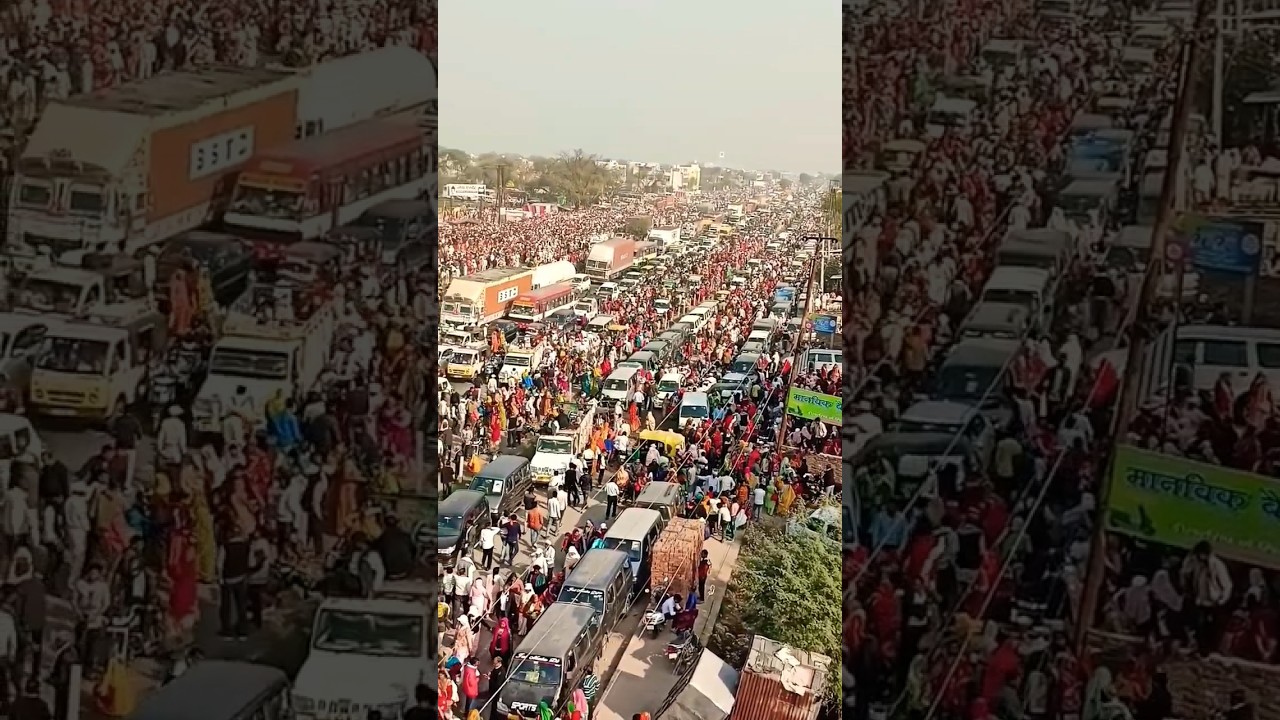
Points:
(970, 558)
(58, 48)
(728, 464)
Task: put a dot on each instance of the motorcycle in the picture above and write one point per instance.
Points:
(654, 622)
(683, 649)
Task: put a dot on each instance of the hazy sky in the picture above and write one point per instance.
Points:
(657, 80)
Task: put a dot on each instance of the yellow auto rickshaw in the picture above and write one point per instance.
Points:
(671, 441)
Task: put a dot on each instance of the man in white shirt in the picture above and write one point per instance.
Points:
(488, 536)
(671, 606)
(554, 511)
(171, 439)
(757, 502)
(610, 499)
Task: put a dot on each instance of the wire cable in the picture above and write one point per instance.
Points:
(494, 693)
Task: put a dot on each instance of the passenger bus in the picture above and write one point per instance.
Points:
(305, 189)
(536, 305)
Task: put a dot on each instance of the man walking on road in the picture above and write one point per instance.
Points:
(488, 537)
(554, 511)
(511, 536)
(571, 484)
(610, 499)
(535, 521)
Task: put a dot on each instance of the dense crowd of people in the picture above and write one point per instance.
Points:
(964, 570)
(58, 48)
(724, 463)
(895, 52)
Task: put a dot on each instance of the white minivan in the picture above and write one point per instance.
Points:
(1207, 352)
(669, 385)
(695, 407)
(819, 360)
(618, 384)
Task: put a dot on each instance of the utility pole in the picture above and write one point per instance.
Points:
(1142, 319)
(795, 348)
(1219, 62)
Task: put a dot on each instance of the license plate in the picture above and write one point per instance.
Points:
(60, 412)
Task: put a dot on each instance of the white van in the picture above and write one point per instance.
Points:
(695, 321)
(949, 113)
(618, 384)
(582, 282)
(694, 407)
(1026, 286)
(668, 385)
(819, 360)
(609, 290)
(519, 362)
(1208, 352)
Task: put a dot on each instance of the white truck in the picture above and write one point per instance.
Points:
(263, 356)
(365, 655)
(666, 237)
(553, 453)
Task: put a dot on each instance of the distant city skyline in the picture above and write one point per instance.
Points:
(660, 81)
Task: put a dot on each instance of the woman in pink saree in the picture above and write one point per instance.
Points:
(396, 430)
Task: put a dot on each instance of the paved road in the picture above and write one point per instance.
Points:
(620, 635)
(644, 676)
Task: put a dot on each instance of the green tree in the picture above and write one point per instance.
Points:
(785, 184)
(637, 227)
(806, 179)
(786, 588)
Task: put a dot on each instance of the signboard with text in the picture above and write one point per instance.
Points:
(1179, 502)
(814, 406)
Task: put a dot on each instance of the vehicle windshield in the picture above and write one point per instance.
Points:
(262, 202)
(556, 445)
(966, 382)
(1078, 204)
(464, 357)
(1012, 297)
(582, 596)
(533, 672)
(696, 412)
(73, 355)
(449, 523)
(48, 295)
(617, 384)
(488, 486)
(667, 386)
(360, 633)
(743, 366)
(585, 305)
(249, 364)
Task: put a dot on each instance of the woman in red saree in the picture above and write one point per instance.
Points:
(395, 427)
(182, 572)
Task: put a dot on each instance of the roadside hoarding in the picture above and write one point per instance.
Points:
(1232, 245)
(1179, 502)
(814, 406)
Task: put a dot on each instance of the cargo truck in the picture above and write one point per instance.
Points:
(486, 296)
(666, 237)
(610, 258)
(132, 165)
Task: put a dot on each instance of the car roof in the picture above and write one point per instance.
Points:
(460, 501)
(502, 465)
(633, 524)
(597, 568)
